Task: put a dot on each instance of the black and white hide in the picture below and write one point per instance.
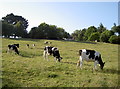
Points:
(14, 48)
(90, 56)
(27, 45)
(48, 50)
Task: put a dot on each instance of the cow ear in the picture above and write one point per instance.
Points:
(104, 62)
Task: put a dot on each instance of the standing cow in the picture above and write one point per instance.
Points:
(48, 50)
(90, 56)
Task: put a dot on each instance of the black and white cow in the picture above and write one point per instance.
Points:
(27, 45)
(48, 50)
(90, 56)
(17, 45)
(33, 45)
(14, 48)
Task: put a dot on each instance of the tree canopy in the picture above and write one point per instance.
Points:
(46, 31)
(14, 25)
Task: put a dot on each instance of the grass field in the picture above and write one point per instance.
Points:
(29, 69)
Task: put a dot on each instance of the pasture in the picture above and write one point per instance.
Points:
(29, 69)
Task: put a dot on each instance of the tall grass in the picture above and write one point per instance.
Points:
(29, 69)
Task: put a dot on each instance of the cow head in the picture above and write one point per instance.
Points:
(59, 59)
(102, 65)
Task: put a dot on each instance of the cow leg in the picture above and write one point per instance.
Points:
(44, 55)
(8, 50)
(55, 59)
(81, 62)
(58, 60)
(47, 58)
(95, 65)
(78, 63)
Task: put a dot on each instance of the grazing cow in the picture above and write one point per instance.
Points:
(90, 56)
(48, 50)
(13, 48)
(46, 42)
(27, 45)
(17, 45)
(33, 45)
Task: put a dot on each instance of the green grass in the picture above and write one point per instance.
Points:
(29, 69)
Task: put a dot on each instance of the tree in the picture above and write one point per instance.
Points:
(89, 31)
(34, 33)
(116, 29)
(94, 36)
(78, 35)
(18, 22)
(114, 39)
(7, 29)
(46, 31)
(19, 29)
(13, 19)
(75, 35)
(101, 28)
(104, 37)
(81, 35)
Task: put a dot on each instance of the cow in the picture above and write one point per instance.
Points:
(90, 56)
(14, 48)
(33, 45)
(17, 45)
(27, 45)
(47, 42)
(48, 50)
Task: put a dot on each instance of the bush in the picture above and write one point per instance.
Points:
(114, 39)
(104, 37)
(94, 36)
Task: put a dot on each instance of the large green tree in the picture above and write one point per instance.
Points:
(75, 35)
(94, 36)
(104, 37)
(7, 29)
(101, 28)
(47, 31)
(89, 31)
(116, 29)
(18, 22)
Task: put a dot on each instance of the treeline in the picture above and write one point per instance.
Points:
(46, 31)
(14, 25)
(100, 34)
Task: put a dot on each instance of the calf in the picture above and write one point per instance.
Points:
(90, 56)
(48, 50)
(14, 48)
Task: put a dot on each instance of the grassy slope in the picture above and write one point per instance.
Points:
(29, 69)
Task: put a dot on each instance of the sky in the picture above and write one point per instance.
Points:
(69, 15)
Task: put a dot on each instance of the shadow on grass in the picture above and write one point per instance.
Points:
(7, 83)
(29, 54)
(110, 71)
(70, 63)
